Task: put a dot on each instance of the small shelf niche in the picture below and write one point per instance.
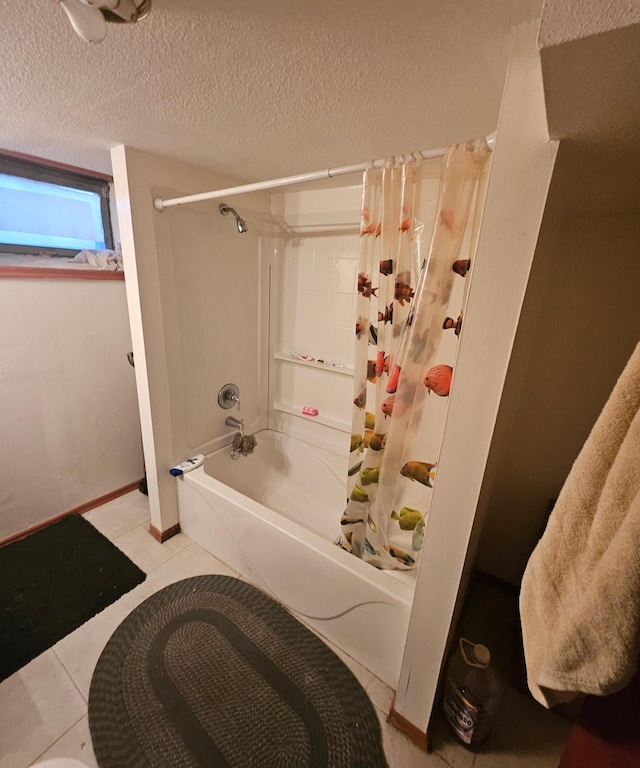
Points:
(342, 370)
(327, 421)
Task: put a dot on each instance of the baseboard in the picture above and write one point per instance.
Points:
(80, 510)
(411, 731)
(162, 536)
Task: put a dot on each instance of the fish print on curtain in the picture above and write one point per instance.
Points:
(409, 315)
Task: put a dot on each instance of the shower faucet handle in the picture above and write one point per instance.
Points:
(229, 396)
(233, 397)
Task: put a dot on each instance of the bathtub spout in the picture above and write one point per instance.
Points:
(231, 421)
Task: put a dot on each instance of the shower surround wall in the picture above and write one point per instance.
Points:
(312, 312)
(195, 304)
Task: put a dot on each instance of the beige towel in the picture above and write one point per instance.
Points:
(580, 598)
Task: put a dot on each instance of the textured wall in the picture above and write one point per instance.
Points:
(579, 326)
(590, 51)
(565, 20)
(70, 427)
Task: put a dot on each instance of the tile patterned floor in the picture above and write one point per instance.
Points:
(43, 707)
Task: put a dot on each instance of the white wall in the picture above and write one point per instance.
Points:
(580, 324)
(566, 20)
(590, 52)
(196, 300)
(313, 306)
(70, 426)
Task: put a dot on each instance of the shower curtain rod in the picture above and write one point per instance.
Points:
(160, 203)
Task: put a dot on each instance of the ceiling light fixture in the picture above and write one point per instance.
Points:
(89, 17)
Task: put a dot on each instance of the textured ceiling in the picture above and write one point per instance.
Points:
(256, 89)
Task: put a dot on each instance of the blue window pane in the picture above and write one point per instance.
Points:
(45, 215)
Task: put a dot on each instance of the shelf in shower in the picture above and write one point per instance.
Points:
(282, 358)
(327, 421)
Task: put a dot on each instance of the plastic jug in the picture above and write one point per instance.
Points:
(472, 693)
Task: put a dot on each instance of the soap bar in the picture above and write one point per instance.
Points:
(309, 411)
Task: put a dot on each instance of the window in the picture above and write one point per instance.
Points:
(50, 210)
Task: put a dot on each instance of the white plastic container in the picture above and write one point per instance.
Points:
(472, 693)
(188, 465)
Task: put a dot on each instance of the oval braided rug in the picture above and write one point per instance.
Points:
(211, 672)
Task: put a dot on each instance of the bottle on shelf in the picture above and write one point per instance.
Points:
(472, 693)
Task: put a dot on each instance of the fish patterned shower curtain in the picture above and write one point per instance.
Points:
(413, 272)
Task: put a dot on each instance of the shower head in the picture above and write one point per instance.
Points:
(225, 209)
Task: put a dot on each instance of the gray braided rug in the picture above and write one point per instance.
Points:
(212, 672)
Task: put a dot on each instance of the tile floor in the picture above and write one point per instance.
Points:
(43, 707)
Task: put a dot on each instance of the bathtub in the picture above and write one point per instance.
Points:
(272, 517)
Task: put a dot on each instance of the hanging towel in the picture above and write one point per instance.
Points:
(580, 597)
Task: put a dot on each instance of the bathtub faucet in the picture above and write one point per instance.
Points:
(231, 421)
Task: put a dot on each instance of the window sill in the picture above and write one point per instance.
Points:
(60, 273)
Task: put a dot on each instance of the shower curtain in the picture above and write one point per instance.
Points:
(413, 267)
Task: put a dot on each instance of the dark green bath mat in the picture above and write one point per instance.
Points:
(211, 672)
(53, 581)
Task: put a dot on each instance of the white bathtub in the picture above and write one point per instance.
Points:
(272, 517)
